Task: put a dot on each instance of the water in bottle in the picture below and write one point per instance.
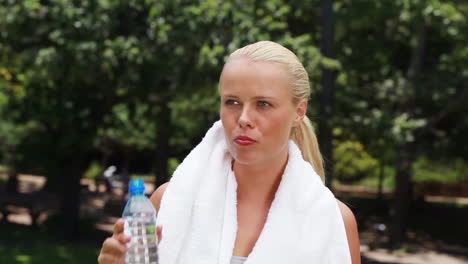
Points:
(140, 223)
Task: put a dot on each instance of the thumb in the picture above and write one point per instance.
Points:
(119, 226)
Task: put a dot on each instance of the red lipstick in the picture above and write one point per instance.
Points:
(244, 141)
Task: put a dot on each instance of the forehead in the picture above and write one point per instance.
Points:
(256, 78)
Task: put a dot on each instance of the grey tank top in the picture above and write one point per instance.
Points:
(238, 260)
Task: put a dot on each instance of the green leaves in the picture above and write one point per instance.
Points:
(103, 70)
(211, 56)
(404, 127)
(352, 162)
(130, 126)
(330, 63)
(380, 50)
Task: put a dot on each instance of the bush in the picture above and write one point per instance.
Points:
(353, 163)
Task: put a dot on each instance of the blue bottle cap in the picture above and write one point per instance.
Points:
(137, 186)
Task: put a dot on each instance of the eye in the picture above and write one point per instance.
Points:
(263, 103)
(231, 102)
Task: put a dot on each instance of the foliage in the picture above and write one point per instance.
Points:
(388, 180)
(81, 80)
(11, 136)
(94, 170)
(173, 163)
(424, 170)
(396, 76)
(146, 177)
(453, 171)
(22, 245)
(99, 72)
(192, 116)
(127, 126)
(353, 163)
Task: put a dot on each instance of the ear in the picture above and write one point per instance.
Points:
(301, 110)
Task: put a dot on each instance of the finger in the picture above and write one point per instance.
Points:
(114, 247)
(110, 259)
(159, 232)
(122, 238)
(119, 226)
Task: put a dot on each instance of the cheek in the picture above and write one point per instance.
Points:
(223, 115)
(226, 120)
(281, 123)
(278, 131)
(228, 123)
(226, 114)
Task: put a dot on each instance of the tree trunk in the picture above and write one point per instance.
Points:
(403, 192)
(406, 150)
(162, 147)
(72, 170)
(381, 179)
(327, 97)
(12, 183)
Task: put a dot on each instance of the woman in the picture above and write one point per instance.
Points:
(264, 93)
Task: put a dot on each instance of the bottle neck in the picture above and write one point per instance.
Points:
(133, 194)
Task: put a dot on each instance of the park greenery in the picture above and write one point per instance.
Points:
(84, 83)
(26, 245)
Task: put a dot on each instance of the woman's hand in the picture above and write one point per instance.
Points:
(114, 248)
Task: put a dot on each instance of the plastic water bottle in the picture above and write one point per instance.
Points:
(140, 223)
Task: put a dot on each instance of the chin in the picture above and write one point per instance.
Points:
(247, 158)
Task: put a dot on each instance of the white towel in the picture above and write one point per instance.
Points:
(199, 215)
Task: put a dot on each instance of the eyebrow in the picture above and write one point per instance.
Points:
(264, 97)
(229, 95)
(255, 97)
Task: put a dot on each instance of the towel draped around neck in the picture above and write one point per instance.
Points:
(198, 213)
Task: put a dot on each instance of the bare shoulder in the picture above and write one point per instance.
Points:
(351, 232)
(157, 195)
(348, 215)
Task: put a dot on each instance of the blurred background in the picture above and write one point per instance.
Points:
(95, 92)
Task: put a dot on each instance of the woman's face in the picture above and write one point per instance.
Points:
(257, 110)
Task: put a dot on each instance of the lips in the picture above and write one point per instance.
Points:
(244, 141)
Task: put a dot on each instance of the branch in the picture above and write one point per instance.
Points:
(449, 108)
(417, 57)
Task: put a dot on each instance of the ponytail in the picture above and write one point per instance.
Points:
(306, 140)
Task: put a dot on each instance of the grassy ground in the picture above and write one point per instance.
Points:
(25, 245)
(423, 171)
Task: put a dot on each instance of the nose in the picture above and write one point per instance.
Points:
(245, 119)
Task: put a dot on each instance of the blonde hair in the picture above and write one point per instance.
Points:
(303, 135)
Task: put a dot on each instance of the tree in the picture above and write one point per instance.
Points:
(327, 96)
(399, 81)
(84, 66)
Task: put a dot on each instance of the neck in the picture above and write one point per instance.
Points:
(259, 182)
